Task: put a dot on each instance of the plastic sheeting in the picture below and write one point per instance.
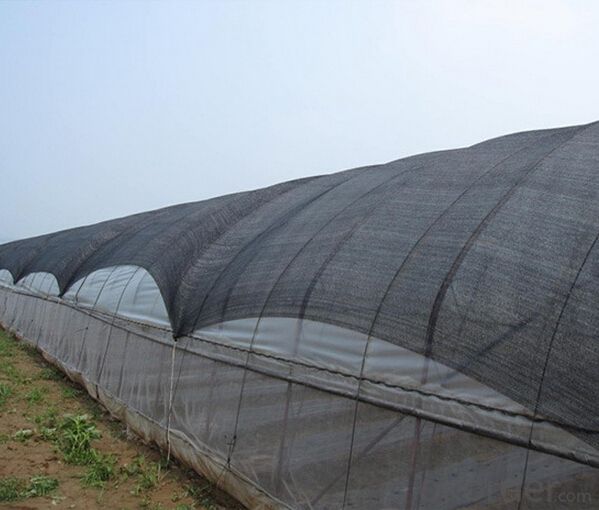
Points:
(43, 283)
(5, 277)
(276, 443)
(348, 362)
(128, 291)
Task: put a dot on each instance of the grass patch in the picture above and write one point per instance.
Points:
(35, 395)
(14, 489)
(51, 374)
(203, 495)
(7, 346)
(41, 486)
(49, 418)
(70, 392)
(100, 470)
(148, 474)
(12, 373)
(47, 423)
(5, 393)
(28, 349)
(149, 477)
(49, 434)
(11, 489)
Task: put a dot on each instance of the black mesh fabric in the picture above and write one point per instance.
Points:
(484, 258)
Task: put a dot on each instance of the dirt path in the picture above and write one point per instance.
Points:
(50, 456)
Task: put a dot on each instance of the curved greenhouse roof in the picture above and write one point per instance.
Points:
(457, 287)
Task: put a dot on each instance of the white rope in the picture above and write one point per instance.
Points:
(170, 404)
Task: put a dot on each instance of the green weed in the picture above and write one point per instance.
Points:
(51, 374)
(203, 495)
(7, 347)
(12, 489)
(35, 395)
(23, 435)
(48, 433)
(12, 373)
(148, 473)
(70, 392)
(28, 349)
(5, 392)
(48, 419)
(76, 435)
(41, 485)
(149, 477)
(100, 470)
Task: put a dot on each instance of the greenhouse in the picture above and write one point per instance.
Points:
(421, 334)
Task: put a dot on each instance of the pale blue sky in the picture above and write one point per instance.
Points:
(109, 108)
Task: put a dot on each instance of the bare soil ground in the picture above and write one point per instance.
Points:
(60, 449)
